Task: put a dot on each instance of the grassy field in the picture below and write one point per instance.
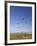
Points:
(18, 36)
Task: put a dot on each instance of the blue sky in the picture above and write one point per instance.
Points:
(20, 19)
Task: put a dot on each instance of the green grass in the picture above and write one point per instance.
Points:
(18, 36)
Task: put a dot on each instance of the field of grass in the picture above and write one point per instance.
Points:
(18, 36)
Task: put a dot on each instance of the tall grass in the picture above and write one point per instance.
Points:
(18, 36)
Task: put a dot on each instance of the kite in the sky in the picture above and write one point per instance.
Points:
(22, 18)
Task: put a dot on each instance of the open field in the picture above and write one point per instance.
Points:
(18, 36)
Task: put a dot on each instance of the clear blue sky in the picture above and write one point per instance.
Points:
(20, 19)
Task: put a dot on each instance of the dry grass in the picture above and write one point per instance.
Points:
(18, 36)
